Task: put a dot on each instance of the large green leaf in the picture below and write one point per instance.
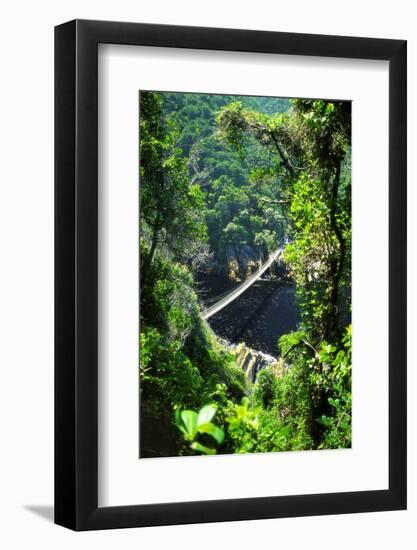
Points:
(202, 448)
(206, 413)
(190, 420)
(178, 421)
(212, 430)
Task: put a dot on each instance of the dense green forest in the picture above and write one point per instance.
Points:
(225, 181)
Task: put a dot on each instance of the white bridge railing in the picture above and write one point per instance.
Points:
(232, 295)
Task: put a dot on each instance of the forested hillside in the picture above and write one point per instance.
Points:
(241, 224)
(224, 181)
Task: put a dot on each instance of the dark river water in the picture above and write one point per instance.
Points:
(257, 317)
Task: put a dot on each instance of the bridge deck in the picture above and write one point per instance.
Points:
(215, 308)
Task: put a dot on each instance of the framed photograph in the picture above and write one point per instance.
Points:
(230, 252)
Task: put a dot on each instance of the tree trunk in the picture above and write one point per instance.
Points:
(283, 157)
(241, 274)
(149, 257)
(337, 263)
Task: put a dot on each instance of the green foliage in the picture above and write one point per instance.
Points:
(290, 396)
(317, 388)
(181, 363)
(338, 381)
(254, 430)
(192, 424)
(291, 341)
(170, 203)
(236, 212)
(311, 145)
(167, 378)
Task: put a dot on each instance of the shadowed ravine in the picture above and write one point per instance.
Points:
(258, 317)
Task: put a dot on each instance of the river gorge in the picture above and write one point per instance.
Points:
(258, 317)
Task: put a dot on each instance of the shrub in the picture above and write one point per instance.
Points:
(338, 422)
(195, 425)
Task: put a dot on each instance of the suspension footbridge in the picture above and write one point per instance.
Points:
(225, 299)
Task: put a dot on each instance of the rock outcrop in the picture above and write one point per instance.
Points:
(240, 262)
(251, 361)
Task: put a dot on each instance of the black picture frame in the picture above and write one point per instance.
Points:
(76, 271)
